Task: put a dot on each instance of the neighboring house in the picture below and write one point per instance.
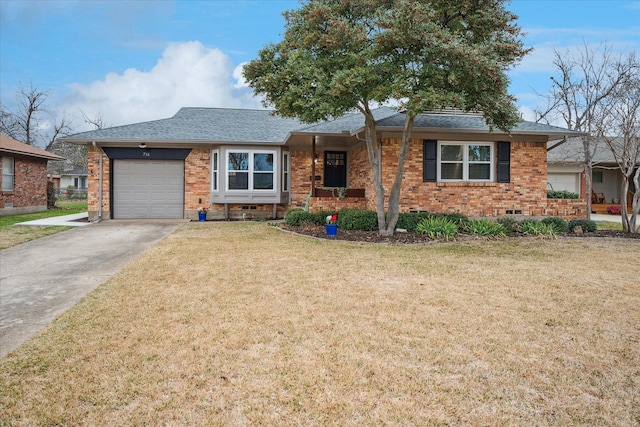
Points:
(24, 177)
(566, 171)
(243, 163)
(75, 180)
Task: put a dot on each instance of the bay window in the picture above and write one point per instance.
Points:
(285, 171)
(215, 154)
(250, 170)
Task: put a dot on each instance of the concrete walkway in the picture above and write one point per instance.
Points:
(74, 220)
(43, 278)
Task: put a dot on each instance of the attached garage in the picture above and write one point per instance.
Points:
(148, 189)
(146, 182)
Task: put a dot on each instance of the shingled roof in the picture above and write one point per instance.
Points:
(11, 146)
(468, 123)
(201, 125)
(572, 152)
(221, 125)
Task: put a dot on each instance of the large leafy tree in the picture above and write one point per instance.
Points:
(343, 55)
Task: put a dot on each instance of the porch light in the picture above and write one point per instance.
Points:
(142, 145)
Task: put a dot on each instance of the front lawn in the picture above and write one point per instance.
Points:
(243, 324)
(12, 236)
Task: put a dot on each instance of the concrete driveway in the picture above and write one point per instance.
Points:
(43, 278)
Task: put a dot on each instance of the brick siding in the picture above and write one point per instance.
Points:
(524, 195)
(29, 185)
(93, 182)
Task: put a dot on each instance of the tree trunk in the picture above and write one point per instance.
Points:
(588, 178)
(635, 206)
(623, 202)
(373, 151)
(394, 195)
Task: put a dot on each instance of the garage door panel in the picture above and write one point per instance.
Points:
(148, 189)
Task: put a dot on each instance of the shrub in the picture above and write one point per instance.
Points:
(485, 227)
(461, 220)
(586, 224)
(559, 224)
(614, 210)
(438, 228)
(511, 224)
(409, 220)
(561, 194)
(296, 217)
(358, 219)
(536, 228)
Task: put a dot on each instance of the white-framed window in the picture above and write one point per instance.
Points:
(215, 168)
(597, 176)
(465, 161)
(8, 173)
(252, 170)
(286, 169)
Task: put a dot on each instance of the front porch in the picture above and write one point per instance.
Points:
(601, 208)
(336, 198)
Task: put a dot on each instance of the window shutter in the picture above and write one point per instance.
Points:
(504, 161)
(429, 160)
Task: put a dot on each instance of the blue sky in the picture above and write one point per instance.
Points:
(131, 61)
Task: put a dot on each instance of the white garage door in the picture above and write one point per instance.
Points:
(564, 182)
(148, 189)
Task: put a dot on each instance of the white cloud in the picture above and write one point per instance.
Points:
(527, 113)
(238, 74)
(187, 75)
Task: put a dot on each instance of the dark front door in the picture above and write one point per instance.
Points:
(335, 168)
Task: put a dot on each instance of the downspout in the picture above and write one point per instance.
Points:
(99, 184)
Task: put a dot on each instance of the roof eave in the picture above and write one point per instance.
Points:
(480, 131)
(134, 141)
(24, 153)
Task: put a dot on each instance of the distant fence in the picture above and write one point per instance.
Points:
(71, 193)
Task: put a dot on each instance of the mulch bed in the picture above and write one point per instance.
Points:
(411, 238)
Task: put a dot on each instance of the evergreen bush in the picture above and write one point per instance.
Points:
(559, 224)
(586, 224)
(410, 220)
(358, 219)
(297, 217)
(561, 194)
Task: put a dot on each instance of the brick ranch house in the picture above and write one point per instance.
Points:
(252, 163)
(23, 177)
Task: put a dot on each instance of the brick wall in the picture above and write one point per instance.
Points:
(197, 181)
(301, 177)
(566, 208)
(526, 194)
(93, 173)
(29, 186)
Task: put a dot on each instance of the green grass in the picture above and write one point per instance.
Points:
(62, 208)
(606, 225)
